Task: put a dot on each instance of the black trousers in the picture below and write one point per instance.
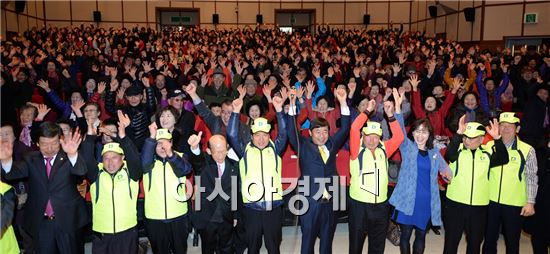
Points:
(168, 237)
(239, 238)
(459, 218)
(125, 242)
(266, 223)
(217, 237)
(419, 239)
(52, 239)
(368, 219)
(540, 243)
(318, 221)
(509, 219)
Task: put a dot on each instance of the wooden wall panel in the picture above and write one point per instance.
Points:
(334, 13)
(111, 11)
(496, 26)
(83, 10)
(247, 12)
(354, 13)
(543, 25)
(58, 10)
(378, 12)
(134, 11)
(399, 12)
(227, 12)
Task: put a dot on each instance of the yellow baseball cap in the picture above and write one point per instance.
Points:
(163, 134)
(508, 117)
(112, 147)
(260, 124)
(474, 129)
(372, 128)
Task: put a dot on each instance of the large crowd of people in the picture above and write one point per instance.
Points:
(224, 131)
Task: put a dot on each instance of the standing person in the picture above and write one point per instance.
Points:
(56, 212)
(468, 193)
(368, 199)
(512, 188)
(215, 218)
(416, 196)
(114, 191)
(165, 210)
(8, 242)
(260, 163)
(318, 163)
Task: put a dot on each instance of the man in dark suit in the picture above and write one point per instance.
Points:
(317, 156)
(56, 211)
(214, 219)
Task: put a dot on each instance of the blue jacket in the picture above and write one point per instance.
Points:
(403, 197)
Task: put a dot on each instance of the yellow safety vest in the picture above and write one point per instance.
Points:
(369, 176)
(114, 201)
(507, 183)
(470, 183)
(260, 172)
(8, 242)
(162, 191)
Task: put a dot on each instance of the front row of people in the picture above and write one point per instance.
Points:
(489, 185)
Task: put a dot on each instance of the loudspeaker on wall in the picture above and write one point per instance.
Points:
(470, 14)
(433, 11)
(366, 19)
(97, 16)
(260, 19)
(215, 18)
(20, 6)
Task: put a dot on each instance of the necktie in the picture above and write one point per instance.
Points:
(323, 154)
(25, 136)
(325, 158)
(220, 173)
(49, 208)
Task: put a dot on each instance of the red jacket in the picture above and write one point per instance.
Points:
(437, 118)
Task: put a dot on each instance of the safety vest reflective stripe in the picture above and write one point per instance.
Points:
(507, 184)
(260, 172)
(114, 201)
(470, 183)
(369, 176)
(164, 192)
(8, 242)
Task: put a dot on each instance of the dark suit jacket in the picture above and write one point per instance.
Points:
(69, 207)
(217, 210)
(311, 162)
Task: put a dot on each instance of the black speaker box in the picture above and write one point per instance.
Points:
(260, 19)
(97, 16)
(470, 14)
(215, 18)
(366, 19)
(433, 11)
(20, 6)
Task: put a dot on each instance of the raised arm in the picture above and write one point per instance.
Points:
(233, 128)
(342, 134)
(397, 134)
(131, 153)
(280, 141)
(148, 149)
(87, 149)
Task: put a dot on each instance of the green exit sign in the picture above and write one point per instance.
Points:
(177, 19)
(531, 18)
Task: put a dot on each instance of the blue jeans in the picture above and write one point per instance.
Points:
(419, 239)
